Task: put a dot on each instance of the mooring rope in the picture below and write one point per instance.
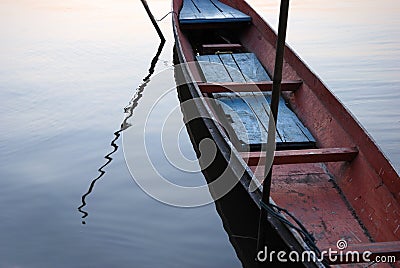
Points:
(167, 15)
(307, 236)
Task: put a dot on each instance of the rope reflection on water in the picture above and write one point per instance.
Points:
(133, 103)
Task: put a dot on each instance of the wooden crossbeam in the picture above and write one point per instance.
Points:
(247, 87)
(213, 25)
(302, 156)
(212, 48)
(377, 249)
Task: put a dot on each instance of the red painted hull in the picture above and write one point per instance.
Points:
(363, 191)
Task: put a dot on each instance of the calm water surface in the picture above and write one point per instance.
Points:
(68, 69)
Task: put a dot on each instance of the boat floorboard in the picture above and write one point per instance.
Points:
(308, 192)
(232, 67)
(246, 114)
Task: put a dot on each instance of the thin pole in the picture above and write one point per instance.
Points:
(153, 20)
(276, 89)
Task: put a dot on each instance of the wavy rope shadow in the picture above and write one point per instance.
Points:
(133, 103)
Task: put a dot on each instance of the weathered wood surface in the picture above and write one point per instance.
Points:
(209, 11)
(251, 67)
(248, 112)
(302, 156)
(213, 68)
(251, 110)
(287, 85)
(244, 67)
(212, 48)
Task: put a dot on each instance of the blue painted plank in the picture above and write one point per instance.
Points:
(232, 68)
(289, 126)
(207, 11)
(230, 12)
(189, 11)
(248, 111)
(287, 123)
(229, 120)
(192, 20)
(241, 67)
(251, 67)
(306, 132)
(214, 11)
(244, 122)
(261, 109)
(249, 120)
(213, 69)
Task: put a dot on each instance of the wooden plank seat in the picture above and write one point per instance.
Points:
(302, 156)
(217, 48)
(246, 114)
(209, 12)
(286, 85)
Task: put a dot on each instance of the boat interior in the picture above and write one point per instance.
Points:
(320, 173)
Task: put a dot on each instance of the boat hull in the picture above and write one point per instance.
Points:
(367, 185)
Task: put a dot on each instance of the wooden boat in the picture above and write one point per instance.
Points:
(327, 171)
